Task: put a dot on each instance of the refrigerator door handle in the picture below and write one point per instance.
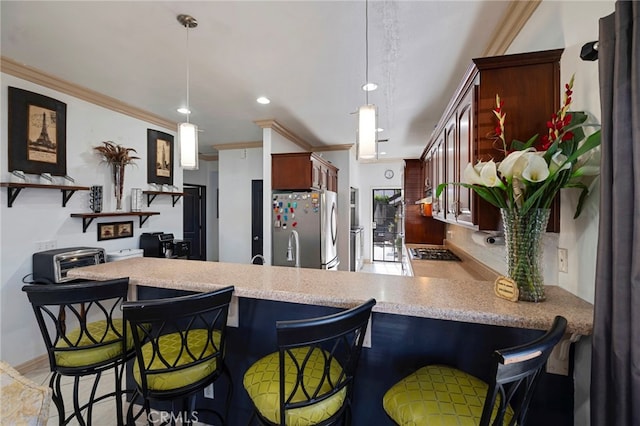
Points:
(334, 227)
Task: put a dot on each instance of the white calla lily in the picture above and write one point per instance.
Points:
(471, 175)
(536, 169)
(489, 175)
(506, 166)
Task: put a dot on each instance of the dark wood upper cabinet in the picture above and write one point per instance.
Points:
(418, 229)
(529, 85)
(301, 171)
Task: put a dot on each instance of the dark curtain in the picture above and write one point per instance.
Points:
(615, 371)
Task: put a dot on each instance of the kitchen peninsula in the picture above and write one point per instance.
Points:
(416, 320)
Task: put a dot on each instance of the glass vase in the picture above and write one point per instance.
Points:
(523, 237)
(118, 184)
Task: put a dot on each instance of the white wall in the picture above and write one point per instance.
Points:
(38, 215)
(237, 168)
(207, 175)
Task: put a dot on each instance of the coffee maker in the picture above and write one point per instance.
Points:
(159, 244)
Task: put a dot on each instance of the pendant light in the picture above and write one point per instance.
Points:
(188, 132)
(367, 114)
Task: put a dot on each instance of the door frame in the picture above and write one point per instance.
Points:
(202, 201)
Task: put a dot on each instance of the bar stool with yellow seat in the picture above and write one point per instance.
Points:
(309, 381)
(180, 348)
(83, 336)
(442, 395)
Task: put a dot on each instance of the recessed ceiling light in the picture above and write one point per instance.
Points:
(184, 110)
(369, 87)
(263, 100)
(383, 153)
(379, 130)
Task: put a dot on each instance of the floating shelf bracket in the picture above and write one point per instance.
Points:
(13, 194)
(150, 198)
(66, 195)
(86, 221)
(151, 195)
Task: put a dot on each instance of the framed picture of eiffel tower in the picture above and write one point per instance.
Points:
(37, 133)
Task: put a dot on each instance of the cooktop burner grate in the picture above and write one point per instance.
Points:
(433, 254)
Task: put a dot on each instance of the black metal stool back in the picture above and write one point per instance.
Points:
(180, 346)
(438, 394)
(83, 332)
(516, 371)
(317, 362)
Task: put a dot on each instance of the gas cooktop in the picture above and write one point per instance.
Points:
(433, 254)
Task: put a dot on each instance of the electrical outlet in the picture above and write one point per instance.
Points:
(46, 245)
(563, 260)
(208, 391)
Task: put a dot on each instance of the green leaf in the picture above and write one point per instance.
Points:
(517, 145)
(583, 196)
(486, 193)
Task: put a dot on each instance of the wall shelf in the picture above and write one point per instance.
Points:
(87, 218)
(15, 188)
(151, 195)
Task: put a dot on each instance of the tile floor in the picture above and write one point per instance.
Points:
(104, 411)
(386, 268)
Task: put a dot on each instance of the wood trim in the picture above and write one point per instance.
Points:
(514, 19)
(343, 147)
(208, 157)
(283, 131)
(36, 364)
(238, 145)
(16, 69)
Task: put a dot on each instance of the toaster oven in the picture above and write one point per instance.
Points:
(52, 266)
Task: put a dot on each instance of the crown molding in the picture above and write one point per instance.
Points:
(343, 147)
(238, 145)
(208, 157)
(283, 131)
(514, 19)
(16, 69)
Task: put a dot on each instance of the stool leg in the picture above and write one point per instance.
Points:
(54, 384)
(92, 397)
(76, 404)
(118, 388)
(229, 393)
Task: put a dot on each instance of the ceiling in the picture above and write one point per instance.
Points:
(308, 57)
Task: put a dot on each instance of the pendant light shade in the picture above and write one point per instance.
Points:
(188, 138)
(188, 132)
(367, 136)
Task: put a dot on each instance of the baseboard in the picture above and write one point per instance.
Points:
(39, 363)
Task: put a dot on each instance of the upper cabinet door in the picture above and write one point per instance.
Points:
(465, 125)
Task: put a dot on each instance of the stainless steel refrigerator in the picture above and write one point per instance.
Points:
(304, 229)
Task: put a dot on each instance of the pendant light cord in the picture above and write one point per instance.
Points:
(188, 61)
(366, 43)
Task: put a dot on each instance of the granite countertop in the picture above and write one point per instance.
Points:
(466, 269)
(439, 298)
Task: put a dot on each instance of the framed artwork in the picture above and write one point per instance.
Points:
(37, 133)
(113, 230)
(160, 157)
